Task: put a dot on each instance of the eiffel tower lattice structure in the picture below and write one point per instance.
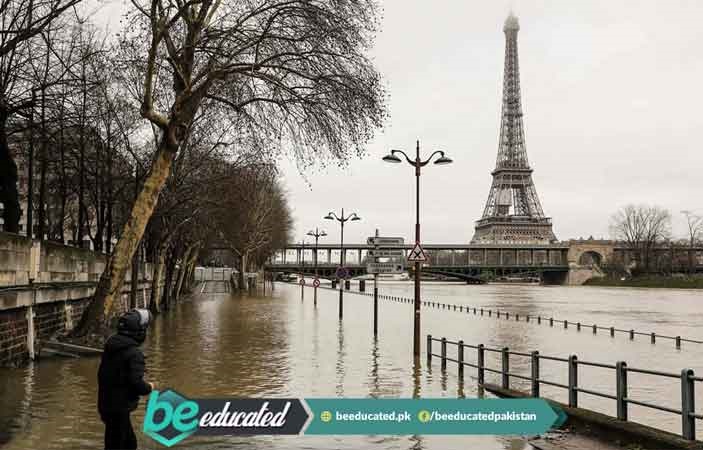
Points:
(513, 213)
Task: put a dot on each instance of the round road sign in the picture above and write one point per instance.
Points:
(341, 272)
(302, 281)
(316, 282)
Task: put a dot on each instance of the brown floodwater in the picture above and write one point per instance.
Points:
(221, 344)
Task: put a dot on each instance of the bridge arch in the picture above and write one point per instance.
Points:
(590, 258)
(590, 252)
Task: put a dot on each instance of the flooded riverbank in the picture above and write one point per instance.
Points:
(226, 345)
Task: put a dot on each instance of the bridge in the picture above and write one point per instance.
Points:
(570, 262)
(472, 263)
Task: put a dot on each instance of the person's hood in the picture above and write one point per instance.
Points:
(118, 342)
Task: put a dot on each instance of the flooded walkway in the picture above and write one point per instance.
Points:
(220, 344)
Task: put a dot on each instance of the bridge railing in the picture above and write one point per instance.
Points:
(686, 378)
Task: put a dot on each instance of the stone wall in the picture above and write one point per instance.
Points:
(63, 280)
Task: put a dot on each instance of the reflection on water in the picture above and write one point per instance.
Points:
(225, 345)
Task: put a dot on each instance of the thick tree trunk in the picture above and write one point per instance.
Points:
(134, 285)
(189, 269)
(166, 300)
(154, 305)
(96, 318)
(242, 271)
(181, 272)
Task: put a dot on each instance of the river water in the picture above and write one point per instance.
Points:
(220, 344)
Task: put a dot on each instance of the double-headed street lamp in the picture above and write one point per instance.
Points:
(341, 219)
(317, 234)
(418, 164)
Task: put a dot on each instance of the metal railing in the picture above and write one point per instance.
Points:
(551, 321)
(622, 399)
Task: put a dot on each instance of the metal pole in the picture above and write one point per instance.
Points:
(621, 389)
(688, 407)
(315, 287)
(505, 372)
(30, 168)
(480, 362)
(302, 272)
(418, 266)
(341, 263)
(429, 349)
(375, 302)
(535, 373)
(573, 381)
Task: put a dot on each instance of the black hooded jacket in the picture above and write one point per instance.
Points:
(121, 375)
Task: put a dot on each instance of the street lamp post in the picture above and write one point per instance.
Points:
(317, 234)
(341, 219)
(418, 164)
(302, 271)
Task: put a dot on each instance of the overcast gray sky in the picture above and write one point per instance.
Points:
(613, 115)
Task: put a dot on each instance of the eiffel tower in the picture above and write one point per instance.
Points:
(513, 213)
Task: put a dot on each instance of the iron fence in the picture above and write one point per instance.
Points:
(686, 377)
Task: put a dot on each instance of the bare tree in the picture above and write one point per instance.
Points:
(22, 23)
(641, 228)
(292, 74)
(694, 225)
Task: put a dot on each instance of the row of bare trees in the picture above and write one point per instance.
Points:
(168, 136)
(646, 230)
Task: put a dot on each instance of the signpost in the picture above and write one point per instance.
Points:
(417, 254)
(342, 272)
(383, 250)
(316, 283)
(383, 241)
(387, 253)
(378, 267)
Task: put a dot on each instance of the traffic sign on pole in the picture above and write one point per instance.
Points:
(342, 272)
(380, 240)
(417, 254)
(386, 253)
(302, 282)
(374, 268)
(316, 282)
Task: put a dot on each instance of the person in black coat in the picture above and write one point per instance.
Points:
(121, 379)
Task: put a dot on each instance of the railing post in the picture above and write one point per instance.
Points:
(653, 338)
(595, 329)
(678, 342)
(527, 319)
(551, 321)
(612, 331)
(566, 324)
(539, 320)
(505, 368)
(632, 335)
(480, 362)
(688, 405)
(429, 348)
(578, 326)
(573, 381)
(621, 389)
(460, 358)
(444, 353)
(481, 311)
(535, 373)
